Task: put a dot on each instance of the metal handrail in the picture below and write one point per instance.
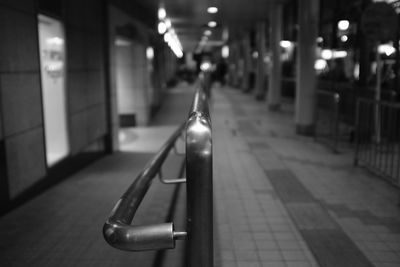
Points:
(119, 232)
(199, 187)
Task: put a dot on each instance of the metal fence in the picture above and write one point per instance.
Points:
(121, 233)
(378, 138)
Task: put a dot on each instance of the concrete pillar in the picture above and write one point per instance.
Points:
(306, 78)
(247, 63)
(275, 69)
(260, 75)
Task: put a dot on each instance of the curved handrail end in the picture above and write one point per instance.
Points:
(139, 238)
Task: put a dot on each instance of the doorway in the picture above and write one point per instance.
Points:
(52, 67)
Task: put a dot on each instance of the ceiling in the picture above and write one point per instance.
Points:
(189, 17)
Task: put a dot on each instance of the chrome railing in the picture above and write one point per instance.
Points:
(378, 138)
(119, 231)
(199, 183)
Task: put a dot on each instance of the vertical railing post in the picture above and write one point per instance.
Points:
(357, 130)
(336, 99)
(199, 185)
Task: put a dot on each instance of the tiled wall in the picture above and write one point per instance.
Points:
(85, 78)
(21, 120)
(21, 95)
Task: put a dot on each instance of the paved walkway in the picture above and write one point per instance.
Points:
(63, 226)
(284, 200)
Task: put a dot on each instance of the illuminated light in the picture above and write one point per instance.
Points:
(326, 54)
(55, 41)
(207, 32)
(168, 23)
(285, 43)
(149, 53)
(386, 49)
(162, 13)
(167, 37)
(344, 38)
(206, 65)
(225, 51)
(212, 10)
(339, 54)
(162, 28)
(122, 42)
(320, 64)
(212, 24)
(356, 72)
(320, 39)
(343, 25)
(255, 54)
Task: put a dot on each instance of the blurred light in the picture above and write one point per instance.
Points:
(320, 64)
(162, 28)
(212, 24)
(344, 38)
(149, 53)
(212, 10)
(207, 32)
(356, 72)
(339, 54)
(320, 39)
(343, 25)
(206, 65)
(386, 49)
(167, 37)
(55, 41)
(254, 54)
(326, 54)
(172, 40)
(225, 51)
(122, 42)
(285, 43)
(161, 13)
(168, 23)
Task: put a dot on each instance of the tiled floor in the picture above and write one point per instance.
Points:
(285, 200)
(280, 199)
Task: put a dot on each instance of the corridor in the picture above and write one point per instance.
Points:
(280, 199)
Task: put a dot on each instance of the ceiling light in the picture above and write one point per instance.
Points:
(212, 10)
(162, 28)
(327, 54)
(285, 43)
(207, 32)
(225, 51)
(168, 23)
(212, 24)
(149, 53)
(387, 49)
(343, 25)
(320, 64)
(344, 38)
(161, 13)
(339, 54)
